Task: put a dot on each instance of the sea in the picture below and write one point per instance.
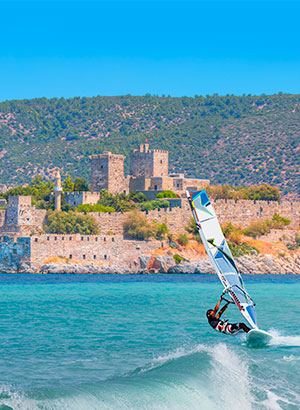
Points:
(143, 342)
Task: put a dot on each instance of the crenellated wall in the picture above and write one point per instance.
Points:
(97, 249)
(240, 213)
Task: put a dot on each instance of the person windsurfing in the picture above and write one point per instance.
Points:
(223, 326)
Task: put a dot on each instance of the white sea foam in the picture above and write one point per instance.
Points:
(16, 400)
(291, 358)
(232, 383)
(272, 401)
(174, 355)
(284, 340)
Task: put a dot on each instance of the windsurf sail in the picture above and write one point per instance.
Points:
(220, 255)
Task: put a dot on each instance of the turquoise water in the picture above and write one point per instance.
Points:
(142, 342)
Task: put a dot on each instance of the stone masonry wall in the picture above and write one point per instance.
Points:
(240, 214)
(148, 163)
(107, 171)
(82, 197)
(97, 249)
(21, 217)
(19, 211)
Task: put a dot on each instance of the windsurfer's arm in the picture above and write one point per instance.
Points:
(222, 311)
(217, 307)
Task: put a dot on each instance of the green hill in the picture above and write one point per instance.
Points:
(239, 140)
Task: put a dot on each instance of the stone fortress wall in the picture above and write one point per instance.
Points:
(83, 197)
(20, 243)
(240, 213)
(96, 249)
(20, 218)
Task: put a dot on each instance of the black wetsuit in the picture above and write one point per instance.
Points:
(223, 326)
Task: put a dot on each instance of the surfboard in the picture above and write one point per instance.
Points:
(257, 337)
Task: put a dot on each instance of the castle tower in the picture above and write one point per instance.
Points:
(57, 191)
(19, 211)
(149, 163)
(107, 171)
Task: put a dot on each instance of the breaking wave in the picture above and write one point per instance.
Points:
(202, 377)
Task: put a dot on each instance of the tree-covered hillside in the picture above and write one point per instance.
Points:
(238, 140)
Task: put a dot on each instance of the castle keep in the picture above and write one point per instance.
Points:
(107, 171)
(148, 163)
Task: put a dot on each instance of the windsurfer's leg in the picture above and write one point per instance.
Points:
(244, 327)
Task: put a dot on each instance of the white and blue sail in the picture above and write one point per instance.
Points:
(220, 254)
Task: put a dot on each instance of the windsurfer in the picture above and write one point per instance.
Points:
(223, 326)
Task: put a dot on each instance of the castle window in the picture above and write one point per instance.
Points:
(87, 238)
(70, 238)
(104, 239)
(55, 238)
(82, 238)
(112, 239)
(70, 257)
(36, 240)
(155, 187)
(83, 256)
(94, 256)
(161, 161)
(96, 239)
(48, 238)
(105, 256)
(62, 238)
(101, 167)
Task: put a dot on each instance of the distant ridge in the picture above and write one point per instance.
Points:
(239, 140)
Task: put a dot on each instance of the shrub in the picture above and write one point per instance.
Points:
(258, 228)
(235, 237)
(70, 222)
(279, 221)
(119, 202)
(182, 239)
(292, 246)
(177, 258)
(227, 229)
(191, 227)
(241, 249)
(161, 230)
(80, 184)
(136, 226)
(166, 194)
(151, 205)
(137, 197)
(297, 239)
(264, 192)
(94, 208)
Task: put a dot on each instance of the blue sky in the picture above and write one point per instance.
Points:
(87, 48)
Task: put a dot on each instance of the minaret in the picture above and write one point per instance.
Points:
(57, 191)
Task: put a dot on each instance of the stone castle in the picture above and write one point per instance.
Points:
(22, 237)
(149, 174)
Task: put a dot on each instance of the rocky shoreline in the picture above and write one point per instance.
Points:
(262, 264)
